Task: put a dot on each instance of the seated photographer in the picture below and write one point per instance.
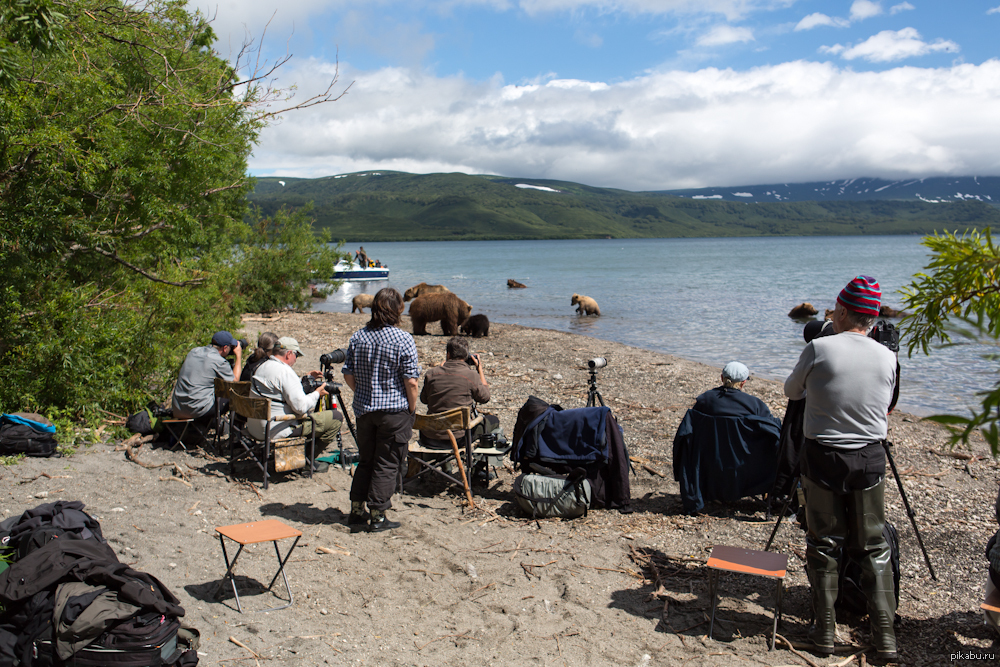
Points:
(458, 382)
(265, 343)
(726, 446)
(194, 392)
(993, 576)
(276, 381)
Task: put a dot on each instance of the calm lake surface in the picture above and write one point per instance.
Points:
(710, 300)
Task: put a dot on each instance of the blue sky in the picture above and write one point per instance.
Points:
(636, 94)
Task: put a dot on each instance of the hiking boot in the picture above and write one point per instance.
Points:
(357, 520)
(380, 523)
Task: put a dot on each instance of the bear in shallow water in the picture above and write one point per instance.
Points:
(804, 309)
(423, 288)
(362, 301)
(585, 305)
(513, 284)
(477, 326)
(443, 306)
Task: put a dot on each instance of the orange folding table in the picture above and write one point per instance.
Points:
(747, 561)
(243, 534)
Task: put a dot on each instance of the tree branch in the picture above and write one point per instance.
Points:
(133, 267)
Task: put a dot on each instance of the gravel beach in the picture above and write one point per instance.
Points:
(458, 586)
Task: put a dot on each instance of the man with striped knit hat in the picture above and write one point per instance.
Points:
(847, 381)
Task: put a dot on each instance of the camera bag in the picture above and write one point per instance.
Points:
(27, 433)
(544, 496)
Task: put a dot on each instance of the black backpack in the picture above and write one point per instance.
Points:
(852, 596)
(19, 438)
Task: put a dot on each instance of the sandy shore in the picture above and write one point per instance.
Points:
(456, 586)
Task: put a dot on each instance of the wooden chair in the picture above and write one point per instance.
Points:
(222, 391)
(758, 563)
(455, 419)
(288, 453)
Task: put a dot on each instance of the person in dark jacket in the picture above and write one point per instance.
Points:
(993, 578)
(726, 446)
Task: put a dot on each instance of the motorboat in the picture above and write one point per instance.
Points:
(352, 272)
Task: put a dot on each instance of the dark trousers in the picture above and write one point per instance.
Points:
(382, 440)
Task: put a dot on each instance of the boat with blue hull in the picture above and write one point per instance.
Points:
(355, 274)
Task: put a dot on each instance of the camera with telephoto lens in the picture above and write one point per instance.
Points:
(597, 362)
(471, 359)
(311, 384)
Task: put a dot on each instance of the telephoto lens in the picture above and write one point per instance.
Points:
(597, 362)
(335, 357)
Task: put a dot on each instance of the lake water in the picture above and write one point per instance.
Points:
(710, 300)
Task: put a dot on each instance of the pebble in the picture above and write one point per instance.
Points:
(117, 509)
(324, 612)
(173, 565)
(42, 494)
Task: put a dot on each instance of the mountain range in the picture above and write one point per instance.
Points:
(397, 206)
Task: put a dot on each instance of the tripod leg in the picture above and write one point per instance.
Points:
(909, 510)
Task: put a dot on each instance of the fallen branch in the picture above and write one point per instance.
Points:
(328, 550)
(845, 661)
(46, 475)
(956, 455)
(796, 653)
(177, 479)
(244, 646)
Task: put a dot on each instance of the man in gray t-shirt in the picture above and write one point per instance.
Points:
(847, 381)
(194, 393)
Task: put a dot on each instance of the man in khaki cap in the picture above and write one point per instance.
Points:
(276, 380)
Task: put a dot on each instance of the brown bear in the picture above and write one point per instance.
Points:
(362, 301)
(477, 326)
(443, 306)
(513, 284)
(889, 311)
(423, 288)
(827, 314)
(804, 309)
(586, 305)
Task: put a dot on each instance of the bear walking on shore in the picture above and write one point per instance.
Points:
(422, 289)
(477, 326)
(443, 306)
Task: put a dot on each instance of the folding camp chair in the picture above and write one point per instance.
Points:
(243, 534)
(288, 453)
(178, 430)
(450, 420)
(759, 563)
(222, 391)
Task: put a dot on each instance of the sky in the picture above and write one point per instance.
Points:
(631, 94)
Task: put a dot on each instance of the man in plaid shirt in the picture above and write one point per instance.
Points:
(382, 370)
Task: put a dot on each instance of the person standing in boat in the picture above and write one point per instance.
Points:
(362, 258)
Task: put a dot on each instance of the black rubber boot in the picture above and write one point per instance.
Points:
(381, 523)
(826, 518)
(872, 551)
(358, 518)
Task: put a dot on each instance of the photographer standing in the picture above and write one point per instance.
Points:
(275, 380)
(381, 369)
(847, 381)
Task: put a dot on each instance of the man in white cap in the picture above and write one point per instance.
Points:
(726, 447)
(275, 379)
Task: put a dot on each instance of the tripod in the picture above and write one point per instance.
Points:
(593, 395)
(902, 494)
(327, 404)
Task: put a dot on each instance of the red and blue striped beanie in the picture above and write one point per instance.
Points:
(862, 295)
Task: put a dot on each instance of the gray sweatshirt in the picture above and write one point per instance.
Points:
(847, 381)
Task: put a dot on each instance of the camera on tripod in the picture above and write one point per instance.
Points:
(311, 384)
(331, 358)
(597, 362)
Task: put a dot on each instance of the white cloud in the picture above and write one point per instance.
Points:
(891, 45)
(901, 7)
(994, 10)
(725, 34)
(864, 9)
(817, 19)
(793, 122)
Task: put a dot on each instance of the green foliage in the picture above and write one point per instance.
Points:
(282, 256)
(123, 148)
(395, 206)
(959, 298)
(10, 461)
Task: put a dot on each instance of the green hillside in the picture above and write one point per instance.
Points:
(395, 206)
